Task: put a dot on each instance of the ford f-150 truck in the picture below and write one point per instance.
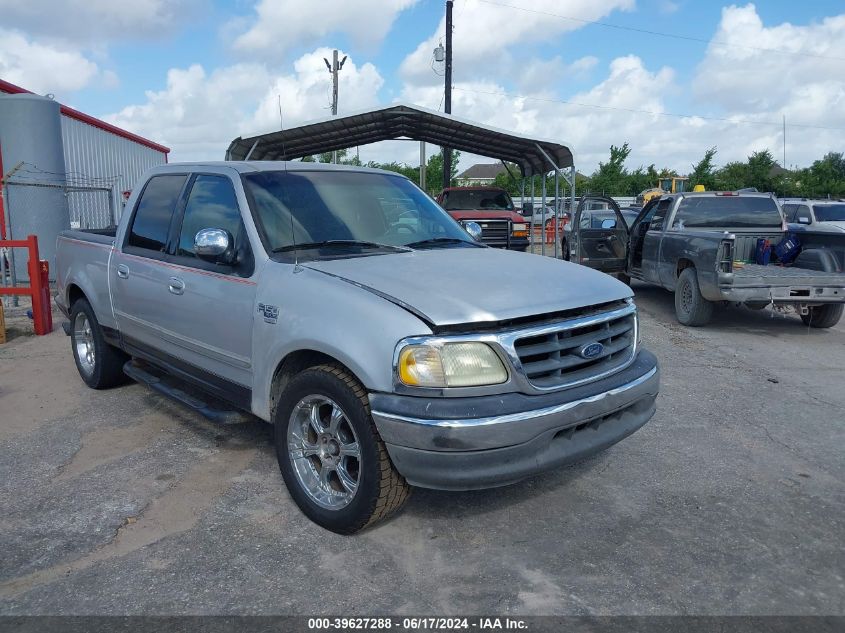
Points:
(703, 247)
(492, 209)
(387, 347)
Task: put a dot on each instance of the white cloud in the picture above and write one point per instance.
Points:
(807, 85)
(95, 21)
(282, 24)
(198, 114)
(483, 32)
(44, 68)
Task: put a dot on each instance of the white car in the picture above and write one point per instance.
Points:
(820, 214)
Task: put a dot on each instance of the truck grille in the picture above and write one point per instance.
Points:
(495, 232)
(554, 357)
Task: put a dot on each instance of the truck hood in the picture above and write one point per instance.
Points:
(469, 285)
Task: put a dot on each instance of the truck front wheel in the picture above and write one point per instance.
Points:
(823, 316)
(333, 461)
(99, 364)
(690, 307)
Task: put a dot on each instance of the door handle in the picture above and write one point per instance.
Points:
(123, 271)
(176, 286)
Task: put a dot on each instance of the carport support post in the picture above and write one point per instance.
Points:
(572, 190)
(543, 227)
(557, 208)
(531, 228)
(422, 165)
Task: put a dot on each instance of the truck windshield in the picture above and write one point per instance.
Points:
(357, 209)
(474, 199)
(829, 212)
(728, 211)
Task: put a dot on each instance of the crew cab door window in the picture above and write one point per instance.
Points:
(151, 222)
(211, 205)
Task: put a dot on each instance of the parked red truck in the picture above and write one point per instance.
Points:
(490, 207)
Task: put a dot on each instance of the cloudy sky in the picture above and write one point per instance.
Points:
(670, 77)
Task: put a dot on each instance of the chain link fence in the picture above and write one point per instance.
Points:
(88, 207)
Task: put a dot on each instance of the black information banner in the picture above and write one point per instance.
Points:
(410, 624)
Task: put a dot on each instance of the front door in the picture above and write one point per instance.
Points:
(210, 306)
(599, 236)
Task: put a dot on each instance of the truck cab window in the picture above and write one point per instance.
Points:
(211, 205)
(659, 216)
(155, 209)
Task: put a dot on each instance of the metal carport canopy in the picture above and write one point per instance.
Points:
(403, 121)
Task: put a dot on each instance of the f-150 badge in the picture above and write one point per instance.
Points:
(270, 313)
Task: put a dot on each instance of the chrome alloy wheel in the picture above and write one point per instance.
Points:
(324, 452)
(83, 339)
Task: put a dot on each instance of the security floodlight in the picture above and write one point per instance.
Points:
(328, 65)
(341, 62)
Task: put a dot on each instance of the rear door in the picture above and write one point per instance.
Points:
(599, 237)
(138, 275)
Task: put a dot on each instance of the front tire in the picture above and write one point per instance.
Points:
(823, 316)
(691, 308)
(331, 456)
(99, 364)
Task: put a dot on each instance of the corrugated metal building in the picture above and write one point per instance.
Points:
(73, 174)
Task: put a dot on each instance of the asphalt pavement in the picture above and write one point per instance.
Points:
(729, 501)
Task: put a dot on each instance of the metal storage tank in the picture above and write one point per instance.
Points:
(31, 141)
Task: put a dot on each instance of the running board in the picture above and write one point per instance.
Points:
(173, 388)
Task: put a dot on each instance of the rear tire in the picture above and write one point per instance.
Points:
(99, 364)
(691, 308)
(823, 316)
(332, 458)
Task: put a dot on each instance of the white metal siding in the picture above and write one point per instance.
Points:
(95, 156)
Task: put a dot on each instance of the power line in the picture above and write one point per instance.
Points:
(688, 38)
(639, 111)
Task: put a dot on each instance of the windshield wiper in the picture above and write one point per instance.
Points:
(434, 241)
(339, 244)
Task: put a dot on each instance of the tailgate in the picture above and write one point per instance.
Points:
(787, 283)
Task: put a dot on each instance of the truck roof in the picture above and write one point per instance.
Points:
(251, 166)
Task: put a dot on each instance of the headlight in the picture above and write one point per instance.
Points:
(450, 365)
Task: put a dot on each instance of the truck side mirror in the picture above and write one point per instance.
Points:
(474, 230)
(215, 246)
(803, 220)
(609, 223)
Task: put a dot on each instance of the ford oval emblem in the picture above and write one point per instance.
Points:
(591, 350)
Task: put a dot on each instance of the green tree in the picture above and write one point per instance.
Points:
(507, 182)
(733, 175)
(434, 171)
(704, 171)
(611, 177)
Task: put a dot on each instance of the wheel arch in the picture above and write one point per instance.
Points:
(295, 362)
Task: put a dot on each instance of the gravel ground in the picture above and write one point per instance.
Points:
(730, 501)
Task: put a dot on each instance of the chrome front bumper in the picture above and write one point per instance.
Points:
(453, 447)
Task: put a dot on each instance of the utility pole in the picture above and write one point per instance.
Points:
(334, 69)
(447, 99)
(784, 142)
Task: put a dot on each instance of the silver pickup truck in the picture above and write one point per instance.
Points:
(702, 247)
(342, 305)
